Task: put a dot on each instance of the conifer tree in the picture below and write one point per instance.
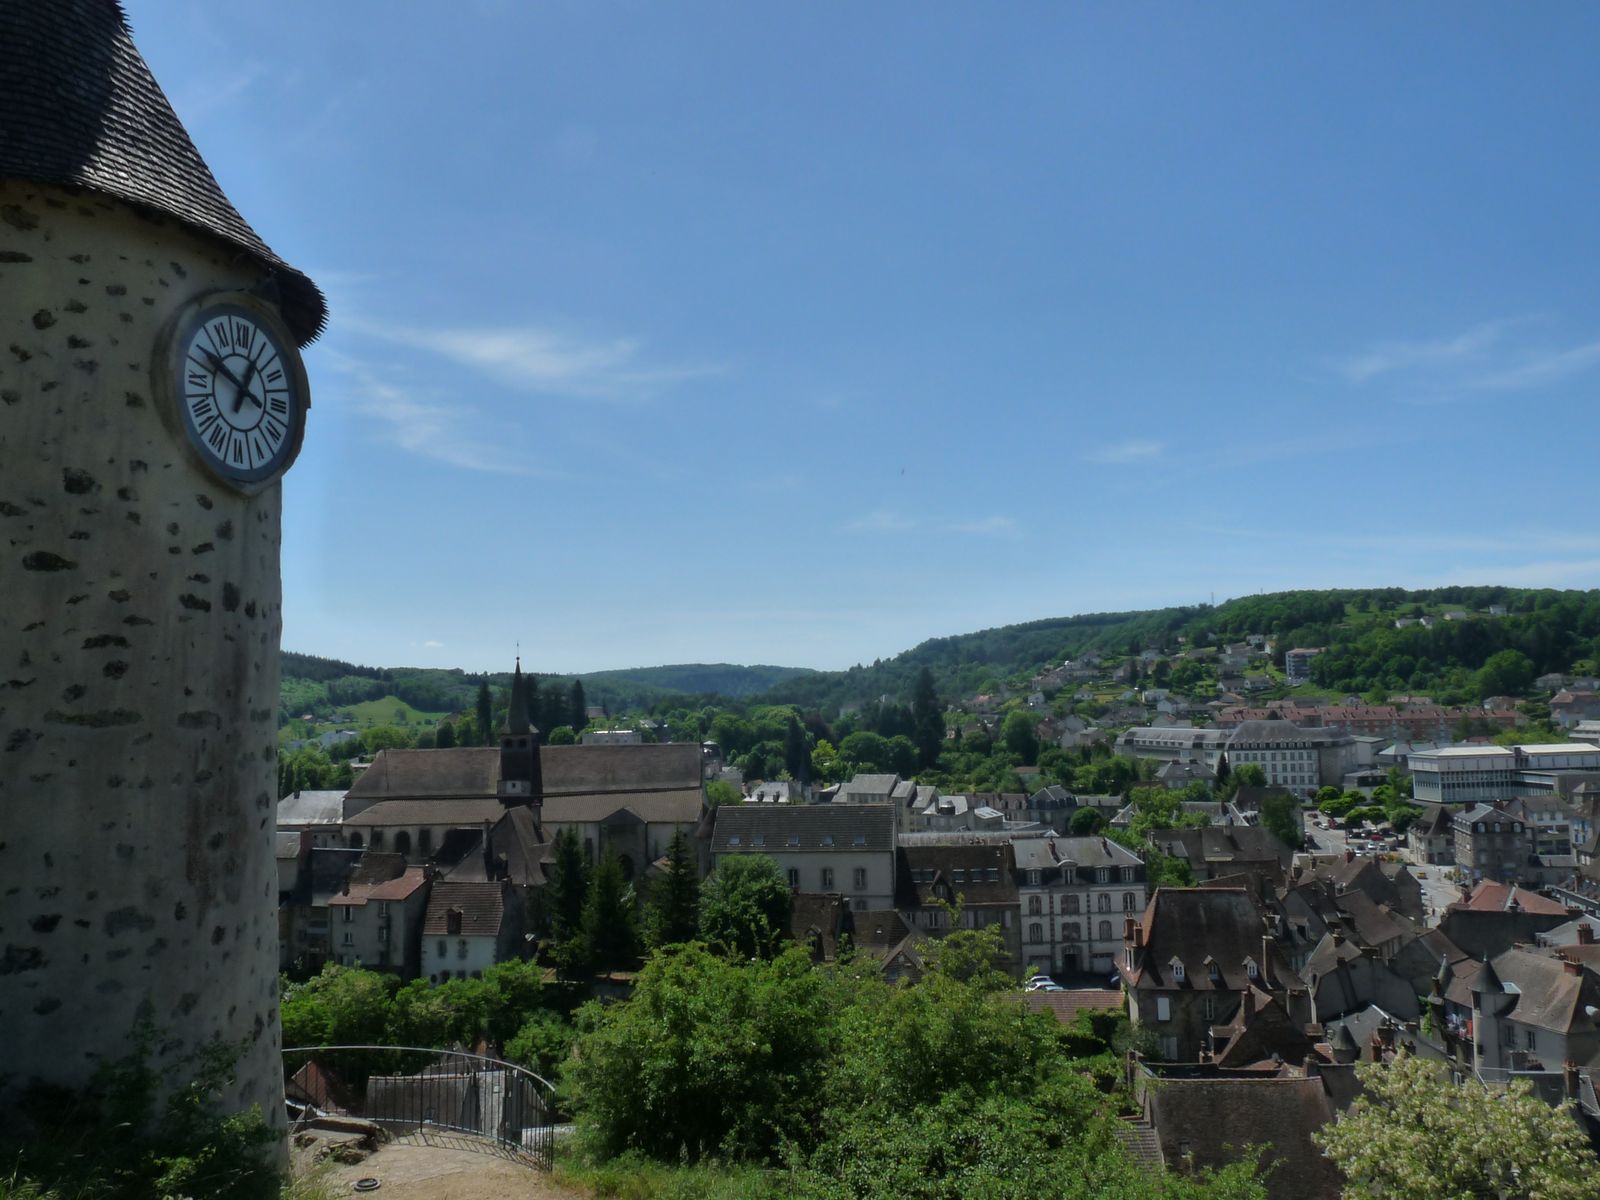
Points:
(610, 931)
(579, 707)
(674, 912)
(485, 714)
(796, 754)
(565, 893)
(445, 737)
(927, 721)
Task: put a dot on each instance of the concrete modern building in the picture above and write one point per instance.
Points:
(1486, 774)
(140, 506)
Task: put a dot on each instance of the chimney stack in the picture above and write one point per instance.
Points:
(1585, 933)
(1248, 1003)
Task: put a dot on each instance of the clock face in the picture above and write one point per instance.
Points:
(240, 390)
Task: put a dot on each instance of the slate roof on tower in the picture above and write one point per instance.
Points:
(79, 108)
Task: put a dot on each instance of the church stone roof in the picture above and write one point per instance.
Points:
(79, 108)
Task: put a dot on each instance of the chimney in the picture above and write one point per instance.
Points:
(1569, 1078)
(1585, 933)
(1138, 936)
(1349, 855)
(1247, 1004)
(1338, 936)
(1128, 926)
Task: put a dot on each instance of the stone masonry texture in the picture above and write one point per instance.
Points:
(139, 626)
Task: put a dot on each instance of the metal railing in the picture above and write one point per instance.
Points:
(430, 1097)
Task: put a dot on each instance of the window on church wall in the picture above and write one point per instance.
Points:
(1105, 931)
(1104, 903)
(425, 841)
(1127, 901)
(377, 839)
(1035, 932)
(1035, 907)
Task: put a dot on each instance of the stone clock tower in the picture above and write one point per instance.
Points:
(151, 397)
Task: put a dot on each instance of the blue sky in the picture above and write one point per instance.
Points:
(801, 333)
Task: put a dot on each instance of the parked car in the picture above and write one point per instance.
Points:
(1041, 983)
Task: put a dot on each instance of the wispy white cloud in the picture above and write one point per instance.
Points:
(1480, 360)
(880, 521)
(1539, 369)
(1388, 357)
(996, 526)
(198, 102)
(433, 645)
(424, 427)
(544, 360)
(1120, 453)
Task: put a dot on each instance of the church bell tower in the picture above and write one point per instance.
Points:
(521, 774)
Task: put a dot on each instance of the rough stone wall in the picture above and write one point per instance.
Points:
(139, 626)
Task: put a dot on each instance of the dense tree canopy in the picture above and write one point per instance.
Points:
(1412, 1134)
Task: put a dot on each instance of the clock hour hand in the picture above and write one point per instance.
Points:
(244, 389)
(218, 365)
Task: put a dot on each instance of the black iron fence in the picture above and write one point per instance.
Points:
(434, 1097)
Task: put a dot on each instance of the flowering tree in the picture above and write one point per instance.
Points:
(1414, 1134)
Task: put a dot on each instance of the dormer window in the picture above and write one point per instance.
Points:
(794, 839)
(827, 839)
(859, 840)
(734, 839)
(758, 839)
(1251, 969)
(1214, 972)
(1178, 973)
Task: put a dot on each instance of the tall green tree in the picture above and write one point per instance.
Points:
(567, 888)
(1019, 737)
(610, 926)
(796, 754)
(744, 906)
(927, 720)
(1280, 815)
(485, 713)
(578, 707)
(674, 912)
(445, 735)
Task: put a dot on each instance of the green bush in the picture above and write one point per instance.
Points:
(137, 1132)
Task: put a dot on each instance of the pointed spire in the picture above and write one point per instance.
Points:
(517, 713)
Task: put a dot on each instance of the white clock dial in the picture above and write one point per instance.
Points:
(240, 391)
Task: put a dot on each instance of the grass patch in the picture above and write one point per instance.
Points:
(631, 1177)
(369, 714)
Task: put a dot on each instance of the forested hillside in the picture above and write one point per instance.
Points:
(321, 685)
(1456, 660)
(1544, 630)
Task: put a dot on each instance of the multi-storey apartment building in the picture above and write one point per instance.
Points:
(1073, 894)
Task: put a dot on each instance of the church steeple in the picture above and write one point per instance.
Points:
(517, 714)
(521, 772)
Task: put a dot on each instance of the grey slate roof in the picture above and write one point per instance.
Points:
(474, 771)
(793, 828)
(79, 108)
(1043, 853)
(311, 808)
